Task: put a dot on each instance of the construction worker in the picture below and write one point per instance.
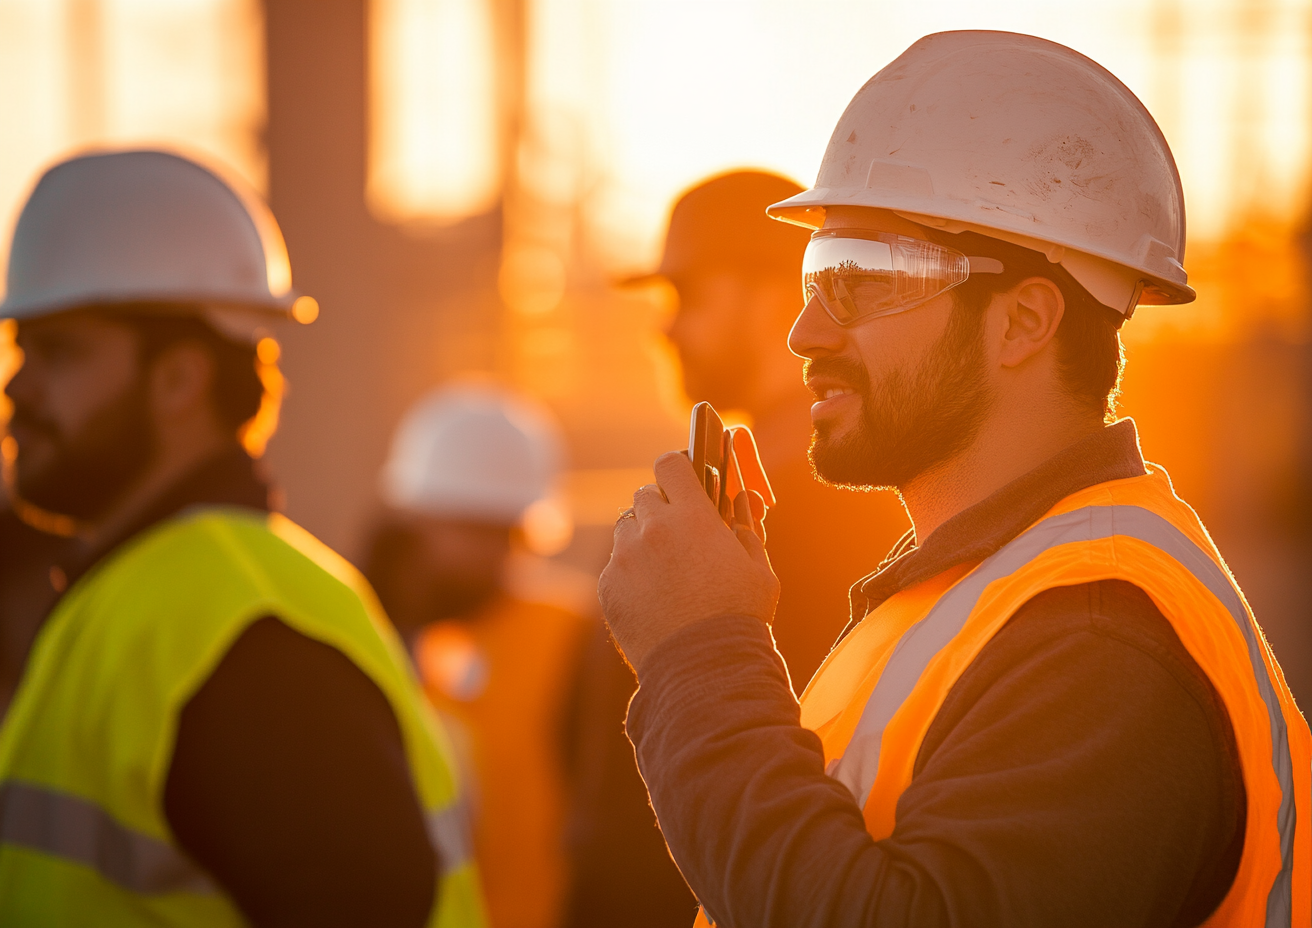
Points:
(214, 725)
(735, 273)
(496, 634)
(1052, 706)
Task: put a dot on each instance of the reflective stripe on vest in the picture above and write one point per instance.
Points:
(448, 830)
(858, 766)
(78, 831)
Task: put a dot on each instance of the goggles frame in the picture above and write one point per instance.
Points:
(906, 256)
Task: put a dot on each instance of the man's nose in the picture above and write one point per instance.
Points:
(814, 333)
(20, 384)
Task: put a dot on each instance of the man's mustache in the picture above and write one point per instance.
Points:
(848, 372)
(31, 421)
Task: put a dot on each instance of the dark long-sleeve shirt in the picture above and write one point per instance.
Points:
(1082, 771)
(289, 781)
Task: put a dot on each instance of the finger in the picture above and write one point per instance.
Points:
(624, 525)
(745, 505)
(754, 546)
(647, 498)
(675, 476)
(742, 511)
(649, 488)
(756, 503)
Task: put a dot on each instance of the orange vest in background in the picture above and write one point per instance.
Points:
(876, 695)
(500, 680)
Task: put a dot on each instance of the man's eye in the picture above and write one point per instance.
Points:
(872, 288)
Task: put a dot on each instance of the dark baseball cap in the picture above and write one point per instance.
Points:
(721, 224)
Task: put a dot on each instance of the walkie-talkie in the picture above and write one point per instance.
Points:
(726, 460)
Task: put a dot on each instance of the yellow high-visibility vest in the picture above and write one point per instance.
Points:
(877, 693)
(86, 746)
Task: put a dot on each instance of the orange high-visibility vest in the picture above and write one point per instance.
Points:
(500, 682)
(876, 695)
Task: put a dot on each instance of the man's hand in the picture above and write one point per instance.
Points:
(675, 562)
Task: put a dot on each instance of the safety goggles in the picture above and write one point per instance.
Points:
(859, 275)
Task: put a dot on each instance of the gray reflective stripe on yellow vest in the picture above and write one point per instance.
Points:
(448, 829)
(857, 767)
(79, 831)
(69, 827)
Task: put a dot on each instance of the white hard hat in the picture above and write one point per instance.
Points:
(472, 452)
(1020, 139)
(144, 227)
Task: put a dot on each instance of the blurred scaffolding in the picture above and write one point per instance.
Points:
(460, 180)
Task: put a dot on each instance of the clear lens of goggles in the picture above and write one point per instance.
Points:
(865, 274)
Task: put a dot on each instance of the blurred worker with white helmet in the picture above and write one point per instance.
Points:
(211, 725)
(472, 500)
(1052, 705)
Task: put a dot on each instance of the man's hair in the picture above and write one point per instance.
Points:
(1088, 338)
(237, 388)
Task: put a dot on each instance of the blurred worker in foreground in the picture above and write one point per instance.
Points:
(1053, 706)
(214, 725)
(469, 465)
(735, 272)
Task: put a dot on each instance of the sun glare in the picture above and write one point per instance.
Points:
(663, 93)
(90, 73)
(433, 124)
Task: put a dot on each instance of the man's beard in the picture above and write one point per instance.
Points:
(90, 471)
(913, 420)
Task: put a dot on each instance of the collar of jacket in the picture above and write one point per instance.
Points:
(975, 533)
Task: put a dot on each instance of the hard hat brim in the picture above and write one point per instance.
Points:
(273, 307)
(807, 209)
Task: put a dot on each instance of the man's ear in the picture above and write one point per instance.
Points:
(181, 380)
(1034, 310)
